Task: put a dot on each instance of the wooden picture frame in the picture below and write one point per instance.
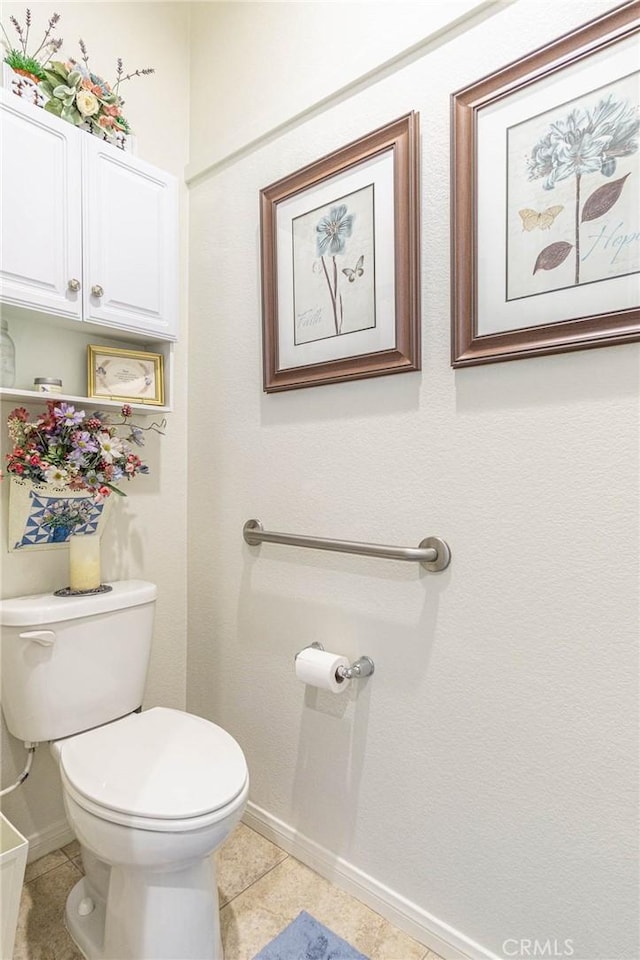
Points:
(340, 263)
(129, 375)
(538, 265)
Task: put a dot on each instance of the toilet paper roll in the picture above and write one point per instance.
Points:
(318, 669)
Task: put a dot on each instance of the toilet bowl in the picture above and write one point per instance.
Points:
(149, 794)
(150, 797)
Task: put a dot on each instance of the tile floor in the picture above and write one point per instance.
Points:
(261, 890)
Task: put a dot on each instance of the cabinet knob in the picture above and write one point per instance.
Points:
(74, 285)
(97, 290)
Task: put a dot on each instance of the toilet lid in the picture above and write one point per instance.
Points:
(161, 764)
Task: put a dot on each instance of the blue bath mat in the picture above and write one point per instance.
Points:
(306, 939)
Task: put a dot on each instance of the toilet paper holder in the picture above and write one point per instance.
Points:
(360, 668)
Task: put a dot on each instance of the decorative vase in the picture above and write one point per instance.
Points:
(84, 561)
(60, 534)
(7, 356)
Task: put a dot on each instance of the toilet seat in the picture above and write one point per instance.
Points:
(158, 770)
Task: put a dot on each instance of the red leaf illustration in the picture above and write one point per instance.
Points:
(602, 199)
(553, 255)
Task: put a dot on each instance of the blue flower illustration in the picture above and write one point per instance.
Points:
(586, 141)
(332, 231)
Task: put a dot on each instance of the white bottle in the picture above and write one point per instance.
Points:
(7, 357)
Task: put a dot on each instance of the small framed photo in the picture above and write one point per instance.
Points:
(127, 375)
(340, 263)
(546, 198)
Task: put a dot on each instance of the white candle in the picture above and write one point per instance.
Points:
(84, 562)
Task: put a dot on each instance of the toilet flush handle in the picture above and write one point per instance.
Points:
(44, 637)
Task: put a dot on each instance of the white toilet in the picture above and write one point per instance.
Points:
(150, 795)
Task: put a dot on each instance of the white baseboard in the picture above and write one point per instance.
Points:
(51, 838)
(418, 923)
(402, 913)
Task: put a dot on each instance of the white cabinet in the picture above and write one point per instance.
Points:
(41, 212)
(88, 232)
(130, 241)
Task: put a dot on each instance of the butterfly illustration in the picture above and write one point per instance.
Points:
(357, 271)
(532, 219)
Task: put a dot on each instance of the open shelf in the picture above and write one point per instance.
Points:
(92, 403)
(46, 348)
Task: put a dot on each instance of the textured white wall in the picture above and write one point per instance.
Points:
(145, 533)
(315, 47)
(488, 770)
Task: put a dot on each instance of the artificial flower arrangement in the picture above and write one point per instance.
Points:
(18, 57)
(78, 95)
(73, 91)
(66, 448)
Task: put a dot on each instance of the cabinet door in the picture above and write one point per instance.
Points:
(41, 251)
(131, 242)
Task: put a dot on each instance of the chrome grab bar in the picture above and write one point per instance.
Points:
(432, 552)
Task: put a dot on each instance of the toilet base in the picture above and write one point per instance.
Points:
(163, 935)
(87, 932)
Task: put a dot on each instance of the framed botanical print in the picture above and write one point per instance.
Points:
(546, 198)
(340, 264)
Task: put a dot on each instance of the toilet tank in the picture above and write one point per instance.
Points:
(72, 663)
